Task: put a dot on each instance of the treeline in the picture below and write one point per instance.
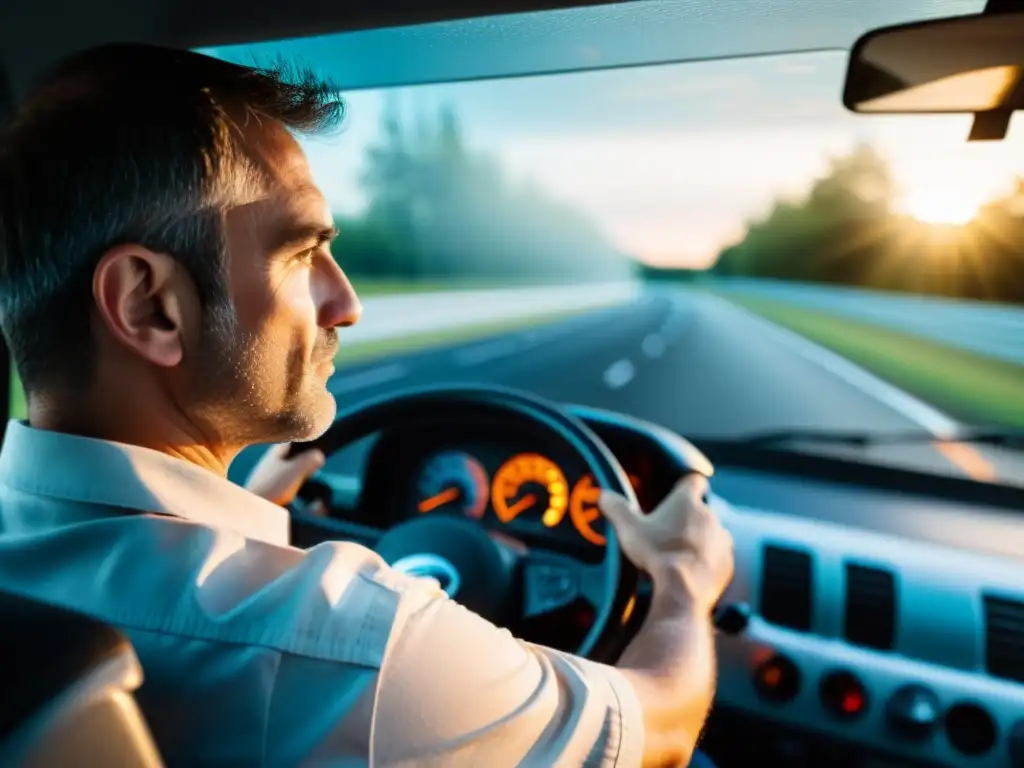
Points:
(437, 210)
(846, 231)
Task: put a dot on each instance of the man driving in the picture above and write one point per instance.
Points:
(169, 297)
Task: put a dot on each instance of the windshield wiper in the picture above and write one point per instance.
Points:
(981, 436)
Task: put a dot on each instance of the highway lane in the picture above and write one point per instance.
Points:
(695, 363)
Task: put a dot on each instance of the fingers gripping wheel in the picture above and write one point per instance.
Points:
(610, 586)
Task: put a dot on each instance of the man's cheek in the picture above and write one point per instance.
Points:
(297, 299)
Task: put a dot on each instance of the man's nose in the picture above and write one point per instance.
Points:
(337, 302)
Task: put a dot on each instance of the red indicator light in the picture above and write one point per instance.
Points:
(843, 695)
(852, 702)
(777, 679)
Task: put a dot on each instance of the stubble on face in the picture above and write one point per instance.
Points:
(260, 359)
(252, 388)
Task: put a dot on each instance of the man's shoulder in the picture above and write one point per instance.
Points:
(336, 602)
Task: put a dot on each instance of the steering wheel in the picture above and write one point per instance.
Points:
(497, 577)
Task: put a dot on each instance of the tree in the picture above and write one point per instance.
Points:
(846, 231)
(438, 210)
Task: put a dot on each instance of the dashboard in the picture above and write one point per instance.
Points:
(886, 627)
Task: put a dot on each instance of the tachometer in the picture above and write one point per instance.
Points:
(583, 509)
(453, 481)
(529, 482)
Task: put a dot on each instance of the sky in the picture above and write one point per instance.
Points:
(670, 161)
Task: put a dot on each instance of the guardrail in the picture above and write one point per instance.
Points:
(995, 330)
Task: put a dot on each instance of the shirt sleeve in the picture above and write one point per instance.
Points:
(455, 690)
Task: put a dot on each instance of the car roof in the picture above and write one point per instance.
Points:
(35, 33)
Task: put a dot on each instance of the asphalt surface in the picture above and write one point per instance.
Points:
(692, 362)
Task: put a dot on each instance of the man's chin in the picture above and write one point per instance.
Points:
(303, 421)
(321, 413)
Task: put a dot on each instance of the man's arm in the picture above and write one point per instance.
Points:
(671, 662)
(671, 665)
(457, 690)
(454, 690)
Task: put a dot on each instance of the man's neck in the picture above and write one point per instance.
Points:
(163, 431)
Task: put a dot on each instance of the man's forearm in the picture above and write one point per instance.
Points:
(671, 664)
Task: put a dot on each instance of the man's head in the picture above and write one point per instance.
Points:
(162, 244)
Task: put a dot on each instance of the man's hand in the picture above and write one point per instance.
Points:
(681, 537)
(278, 478)
(671, 661)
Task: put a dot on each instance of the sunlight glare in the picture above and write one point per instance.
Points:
(944, 180)
(938, 205)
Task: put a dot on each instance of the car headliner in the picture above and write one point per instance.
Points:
(34, 33)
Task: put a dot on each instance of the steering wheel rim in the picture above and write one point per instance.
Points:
(619, 576)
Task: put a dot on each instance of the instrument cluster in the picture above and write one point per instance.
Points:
(526, 492)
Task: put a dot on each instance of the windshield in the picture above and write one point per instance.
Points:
(717, 247)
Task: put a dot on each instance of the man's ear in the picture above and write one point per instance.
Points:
(144, 302)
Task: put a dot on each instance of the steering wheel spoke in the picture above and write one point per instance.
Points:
(551, 581)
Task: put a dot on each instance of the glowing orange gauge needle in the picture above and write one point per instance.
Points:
(443, 497)
(520, 505)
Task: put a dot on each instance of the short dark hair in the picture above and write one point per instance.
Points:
(126, 143)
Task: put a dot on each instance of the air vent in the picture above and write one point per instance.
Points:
(870, 617)
(786, 588)
(1004, 638)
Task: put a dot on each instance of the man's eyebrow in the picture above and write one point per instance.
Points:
(314, 235)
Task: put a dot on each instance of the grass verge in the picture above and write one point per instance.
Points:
(968, 386)
(19, 406)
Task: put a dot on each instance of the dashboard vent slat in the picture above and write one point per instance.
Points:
(786, 588)
(1004, 638)
(869, 618)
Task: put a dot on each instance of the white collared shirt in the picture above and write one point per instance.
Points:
(258, 653)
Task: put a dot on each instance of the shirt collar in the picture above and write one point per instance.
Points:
(91, 471)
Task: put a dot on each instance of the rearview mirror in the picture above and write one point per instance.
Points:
(970, 64)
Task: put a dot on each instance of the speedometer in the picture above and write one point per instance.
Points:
(530, 483)
(453, 481)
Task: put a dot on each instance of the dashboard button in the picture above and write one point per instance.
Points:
(970, 728)
(732, 619)
(777, 679)
(913, 711)
(843, 695)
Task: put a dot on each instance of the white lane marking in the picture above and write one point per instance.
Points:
(372, 377)
(619, 374)
(905, 404)
(653, 346)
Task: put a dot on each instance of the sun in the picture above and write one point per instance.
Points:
(943, 205)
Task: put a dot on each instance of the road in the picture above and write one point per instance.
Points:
(692, 362)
